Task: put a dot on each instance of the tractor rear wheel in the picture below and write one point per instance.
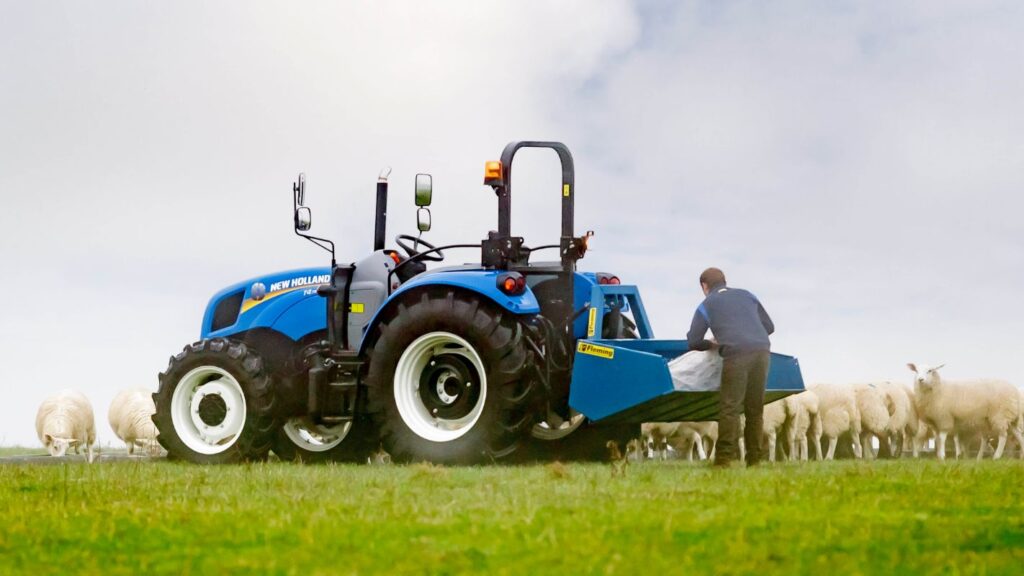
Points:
(449, 380)
(301, 439)
(215, 404)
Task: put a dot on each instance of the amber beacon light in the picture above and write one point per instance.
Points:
(492, 173)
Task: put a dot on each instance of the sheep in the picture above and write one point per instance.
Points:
(700, 435)
(898, 404)
(874, 417)
(774, 420)
(916, 430)
(803, 417)
(1020, 422)
(837, 406)
(658, 433)
(64, 421)
(130, 417)
(709, 436)
(947, 406)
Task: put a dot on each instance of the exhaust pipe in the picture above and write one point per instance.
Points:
(380, 226)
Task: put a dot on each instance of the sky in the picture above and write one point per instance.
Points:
(856, 165)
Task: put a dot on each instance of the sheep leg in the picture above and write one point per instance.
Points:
(1020, 440)
(88, 451)
(831, 448)
(858, 449)
(868, 453)
(742, 443)
(940, 444)
(981, 446)
(771, 446)
(956, 446)
(999, 448)
(701, 453)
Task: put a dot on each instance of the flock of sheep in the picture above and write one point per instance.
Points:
(66, 420)
(898, 416)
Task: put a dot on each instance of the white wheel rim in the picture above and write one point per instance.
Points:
(313, 437)
(420, 418)
(544, 431)
(199, 385)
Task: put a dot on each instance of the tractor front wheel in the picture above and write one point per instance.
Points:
(449, 380)
(215, 404)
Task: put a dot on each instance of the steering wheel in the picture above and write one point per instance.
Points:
(400, 240)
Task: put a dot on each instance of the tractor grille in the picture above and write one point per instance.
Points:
(226, 312)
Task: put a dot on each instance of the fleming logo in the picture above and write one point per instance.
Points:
(595, 350)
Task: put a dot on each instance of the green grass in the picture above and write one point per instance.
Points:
(663, 518)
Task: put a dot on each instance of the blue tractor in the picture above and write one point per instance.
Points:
(511, 358)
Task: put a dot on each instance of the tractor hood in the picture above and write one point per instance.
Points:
(258, 302)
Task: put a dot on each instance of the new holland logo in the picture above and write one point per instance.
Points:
(595, 350)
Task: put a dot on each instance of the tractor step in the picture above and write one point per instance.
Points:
(628, 381)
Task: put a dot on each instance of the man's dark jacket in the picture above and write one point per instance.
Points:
(737, 318)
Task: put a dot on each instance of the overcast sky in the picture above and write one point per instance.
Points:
(859, 168)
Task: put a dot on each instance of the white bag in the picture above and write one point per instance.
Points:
(696, 371)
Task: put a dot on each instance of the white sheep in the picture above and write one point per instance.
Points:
(658, 433)
(874, 417)
(804, 418)
(700, 435)
(898, 404)
(948, 406)
(837, 406)
(130, 417)
(1020, 422)
(64, 421)
(917, 431)
(774, 420)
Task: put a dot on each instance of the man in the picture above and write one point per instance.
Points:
(741, 328)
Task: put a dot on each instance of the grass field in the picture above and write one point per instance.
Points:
(663, 518)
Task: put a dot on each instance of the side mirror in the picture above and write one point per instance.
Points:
(423, 219)
(424, 189)
(300, 190)
(303, 218)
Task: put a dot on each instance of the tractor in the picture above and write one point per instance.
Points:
(510, 359)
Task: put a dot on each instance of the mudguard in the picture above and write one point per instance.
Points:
(483, 282)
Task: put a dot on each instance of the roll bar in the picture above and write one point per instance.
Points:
(503, 188)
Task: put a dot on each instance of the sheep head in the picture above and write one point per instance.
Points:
(926, 378)
(57, 446)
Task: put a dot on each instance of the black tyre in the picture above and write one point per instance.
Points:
(215, 404)
(449, 380)
(299, 439)
(577, 438)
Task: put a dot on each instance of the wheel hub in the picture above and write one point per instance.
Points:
(447, 387)
(212, 409)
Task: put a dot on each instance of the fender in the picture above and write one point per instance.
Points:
(482, 282)
(263, 301)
